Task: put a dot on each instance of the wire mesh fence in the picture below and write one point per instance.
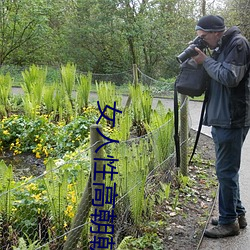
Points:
(64, 208)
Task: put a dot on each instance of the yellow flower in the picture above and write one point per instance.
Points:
(38, 155)
(73, 199)
(31, 187)
(6, 132)
(17, 152)
(69, 211)
(37, 196)
(45, 151)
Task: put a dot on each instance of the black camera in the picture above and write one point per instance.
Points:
(190, 51)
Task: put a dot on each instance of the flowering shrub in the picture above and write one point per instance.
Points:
(45, 205)
(43, 137)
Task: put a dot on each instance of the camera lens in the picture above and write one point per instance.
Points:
(187, 53)
(190, 51)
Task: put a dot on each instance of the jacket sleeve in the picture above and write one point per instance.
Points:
(234, 66)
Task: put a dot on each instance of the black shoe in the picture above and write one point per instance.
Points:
(221, 231)
(241, 219)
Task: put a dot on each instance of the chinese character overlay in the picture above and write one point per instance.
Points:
(102, 219)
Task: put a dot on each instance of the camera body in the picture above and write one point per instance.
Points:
(190, 51)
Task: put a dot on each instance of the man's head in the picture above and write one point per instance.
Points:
(211, 28)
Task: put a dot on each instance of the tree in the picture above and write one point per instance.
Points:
(237, 13)
(20, 22)
(94, 40)
(102, 36)
(109, 36)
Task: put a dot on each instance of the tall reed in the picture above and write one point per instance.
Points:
(48, 97)
(68, 74)
(83, 91)
(133, 170)
(33, 86)
(141, 103)
(56, 184)
(161, 129)
(62, 106)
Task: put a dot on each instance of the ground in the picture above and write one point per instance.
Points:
(186, 225)
(179, 220)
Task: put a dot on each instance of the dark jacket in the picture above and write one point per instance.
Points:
(229, 90)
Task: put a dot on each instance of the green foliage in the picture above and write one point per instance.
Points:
(43, 137)
(52, 197)
(23, 25)
(68, 74)
(5, 90)
(48, 98)
(147, 241)
(50, 200)
(73, 134)
(33, 85)
(176, 199)
(184, 181)
(124, 124)
(136, 180)
(6, 184)
(141, 109)
(59, 101)
(161, 126)
(107, 95)
(57, 188)
(30, 206)
(83, 91)
(133, 170)
(23, 245)
(164, 191)
(103, 36)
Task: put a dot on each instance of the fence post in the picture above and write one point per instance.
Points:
(96, 141)
(89, 192)
(79, 219)
(135, 74)
(184, 135)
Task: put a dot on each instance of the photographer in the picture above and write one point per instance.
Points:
(228, 112)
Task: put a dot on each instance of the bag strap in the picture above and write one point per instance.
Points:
(176, 126)
(199, 127)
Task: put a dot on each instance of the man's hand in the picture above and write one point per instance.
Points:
(200, 58)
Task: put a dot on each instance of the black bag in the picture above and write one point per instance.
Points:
(192, 80)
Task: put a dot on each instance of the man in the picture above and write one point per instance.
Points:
(228, 112)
